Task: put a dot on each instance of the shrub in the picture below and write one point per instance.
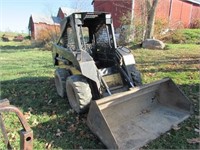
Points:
(27, 37)
(46, 36)
(189, 36)
(195, 24)
(48, 46)
(5, 38)
(139, 31)
(178, 37)
(174, 36)
(192, 35)
(159, 27)
(140, 28)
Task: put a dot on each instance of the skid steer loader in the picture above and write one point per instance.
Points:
(93, 72)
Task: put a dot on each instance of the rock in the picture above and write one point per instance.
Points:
(153, 44)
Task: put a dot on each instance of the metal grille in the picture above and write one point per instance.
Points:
(102, 37)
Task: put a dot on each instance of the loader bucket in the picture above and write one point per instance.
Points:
(131, 119)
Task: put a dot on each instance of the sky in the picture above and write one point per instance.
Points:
(15, 14)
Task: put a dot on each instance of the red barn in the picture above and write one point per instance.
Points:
(64, 11)
(37, 23)
(116, 8)
(175, 12)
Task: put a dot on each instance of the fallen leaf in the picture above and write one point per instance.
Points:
(193, 140)
(30, 109)
(35, 122)
(53, 112)
(77, 120)
(175, 127)
(77, 146)
(49, 145)
(197, 130)
(33, 92)
(59, 133)
(83, 119)
(71, 128)
(27, 92)
(168, 133)
(27, 115)
(150, 74)
(12, 136)
(71, 111)
(44, 113)
(40, 126)
(82, 133)
(188, 128)
(46, 96)
(88, 136)
(49, 102)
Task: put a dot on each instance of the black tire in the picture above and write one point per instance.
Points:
(137, 79)
(78, 93)
(61, 75)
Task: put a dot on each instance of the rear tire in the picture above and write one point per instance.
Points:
(78, 93)
(61, 75)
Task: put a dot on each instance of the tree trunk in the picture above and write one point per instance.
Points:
(151, 8)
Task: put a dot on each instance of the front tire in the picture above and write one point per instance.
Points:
(78, 93)
(137, 79)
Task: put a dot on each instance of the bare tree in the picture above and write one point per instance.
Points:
(81, 5)
(142, 21)
(151, 8)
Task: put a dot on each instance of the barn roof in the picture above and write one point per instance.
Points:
(194, 1)
(67, 11)
(51, 20)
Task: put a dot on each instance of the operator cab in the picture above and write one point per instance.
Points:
(92, 32)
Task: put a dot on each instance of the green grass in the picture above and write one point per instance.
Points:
(12, 34)
(27, 80)
(189, 36)
(181, 63)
